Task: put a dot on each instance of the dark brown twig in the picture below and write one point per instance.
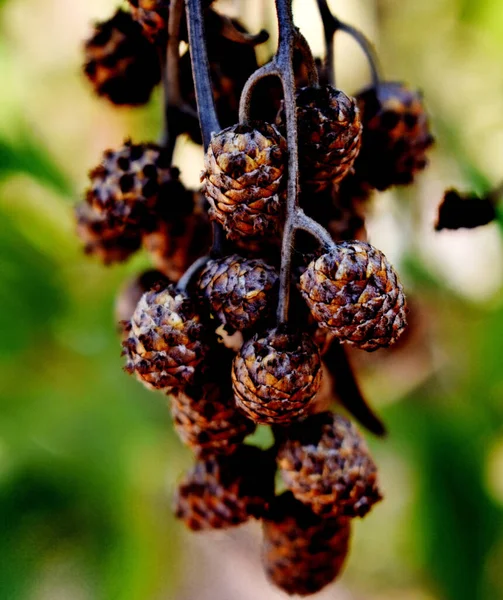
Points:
(347, 390)
(204, 95)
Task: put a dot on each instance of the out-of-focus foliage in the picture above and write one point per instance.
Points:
(88, 458)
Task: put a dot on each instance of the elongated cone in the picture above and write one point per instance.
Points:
(121, 64)
(239, 292)
(326, 464)
(168, 343)
(302, 552)
(225, 491)
(276, 375)
(245, 179)
(355, 292)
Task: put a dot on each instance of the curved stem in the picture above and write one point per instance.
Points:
(267, 70)
(232, 33)
(331, 25)
(191, 272)
(305, 223)
(201, 71)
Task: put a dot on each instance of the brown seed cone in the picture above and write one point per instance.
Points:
(120, 62)
(130, 294)
(275, 376)
(355, 292)
(224, 491)
(102, 238)
(207, 420)
(329, 135)
(168, 342)
(302, 552)
(239, 292)
(245, 179)
(325, 463)
(176, 242)
(396, 135)
(135, 185)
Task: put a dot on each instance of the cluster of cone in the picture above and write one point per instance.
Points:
(210, 343)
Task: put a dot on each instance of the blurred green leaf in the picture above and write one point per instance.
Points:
(29, 156)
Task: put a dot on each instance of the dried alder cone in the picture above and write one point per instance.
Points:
(239, 292)
(326, 464)
(276, 375)
(205, 415)
(225, 491)
(396, 135)
(134, 185)
(465, 211)
(302, 552)
(120, 62)
(245, 178)
(103, 238)
(355, 292)
(329, 130)
(168, 343)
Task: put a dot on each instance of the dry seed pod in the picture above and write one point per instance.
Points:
(153, 16)
(302, 552)
(329, 135)
(238, 291)
(135, 184)
(396, 135)
(168, 343)
(103, 238)
(355, 292)
(130, 294)
(207, 420)
(245, 179)
(120, 62)
(275, 376)
(326, 464)
(225, 491)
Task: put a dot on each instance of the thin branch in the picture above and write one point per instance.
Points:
(201, 71)
(305, 223)
(204, 93)
(267, 70)
(331, 25)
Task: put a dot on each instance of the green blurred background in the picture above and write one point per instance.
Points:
(88, 459)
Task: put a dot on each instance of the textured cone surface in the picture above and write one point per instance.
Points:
(134, 185)
(238, 291)
(205, 415)
(355, 292)
(177, 241)
(325, 463)
(224, 491)
(120, 62)
(245, 179)
(329, 135)
(275, 376)
(302, 552)
(131, 293)
(168, 342)
(102, 238)
(396, 135)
